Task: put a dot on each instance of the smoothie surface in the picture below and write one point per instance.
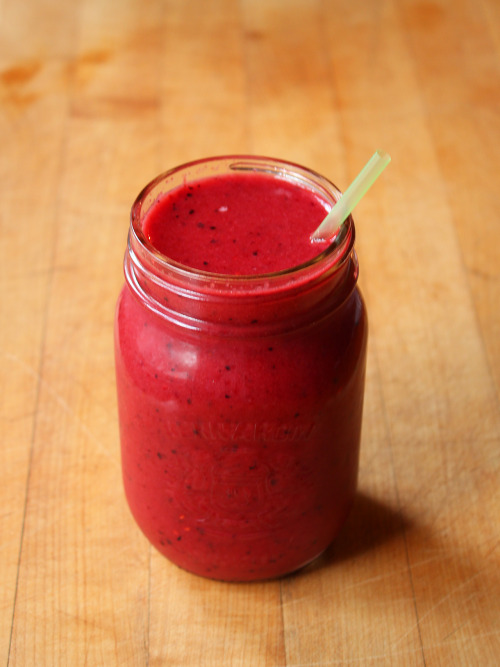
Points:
(237, 224)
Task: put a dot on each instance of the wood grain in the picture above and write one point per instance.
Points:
(96, 98)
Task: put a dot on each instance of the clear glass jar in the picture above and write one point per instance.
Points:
(240, 398)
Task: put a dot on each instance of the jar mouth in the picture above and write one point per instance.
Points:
(139, 245)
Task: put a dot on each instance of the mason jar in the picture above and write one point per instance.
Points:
(240, 397)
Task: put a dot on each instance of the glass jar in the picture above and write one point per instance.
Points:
(240, 397)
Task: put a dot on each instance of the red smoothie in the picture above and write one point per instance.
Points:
(237, 224)
(240, 390)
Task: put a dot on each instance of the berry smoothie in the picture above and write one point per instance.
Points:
(240, 362)
(237, 224)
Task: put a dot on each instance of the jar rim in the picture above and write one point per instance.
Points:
(329, 259)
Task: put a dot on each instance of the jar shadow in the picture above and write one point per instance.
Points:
(447, 572)
(369, 524)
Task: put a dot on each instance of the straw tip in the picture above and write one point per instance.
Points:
(344, 206)
(383, 155)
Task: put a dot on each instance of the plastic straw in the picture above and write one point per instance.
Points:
(330, 226)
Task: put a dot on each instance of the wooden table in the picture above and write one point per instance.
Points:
(97, 97)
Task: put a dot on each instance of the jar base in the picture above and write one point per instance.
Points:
(268, 571)
(250, 577)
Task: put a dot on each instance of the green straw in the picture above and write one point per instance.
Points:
(330, 226)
